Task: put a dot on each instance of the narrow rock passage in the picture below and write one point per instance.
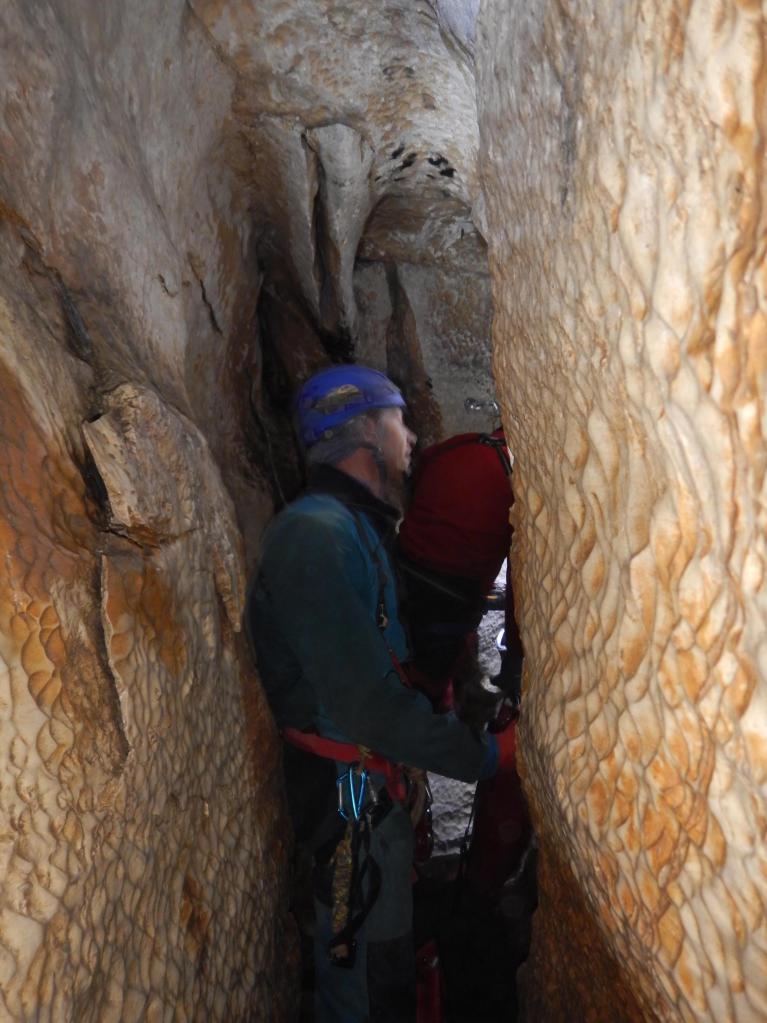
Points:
(560, 206)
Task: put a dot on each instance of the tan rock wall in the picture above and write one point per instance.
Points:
(622, 149)
(183, 190)
(143, 841)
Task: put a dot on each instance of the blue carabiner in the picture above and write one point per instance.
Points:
(357, 803)
(356, 798)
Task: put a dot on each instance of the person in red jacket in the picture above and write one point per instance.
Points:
(452, 544)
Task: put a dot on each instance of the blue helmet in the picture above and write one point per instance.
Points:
(336, 395)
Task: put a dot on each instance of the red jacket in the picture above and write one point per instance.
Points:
(458, 521)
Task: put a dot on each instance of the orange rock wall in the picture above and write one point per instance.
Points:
(623, 158)
(143, 840)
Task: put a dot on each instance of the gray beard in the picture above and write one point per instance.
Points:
(394, 493)
(392, 489)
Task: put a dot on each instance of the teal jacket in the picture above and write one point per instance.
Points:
(324, 661)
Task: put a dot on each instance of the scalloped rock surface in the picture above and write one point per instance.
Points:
(143, 841)
(202, 201)
(627, 244)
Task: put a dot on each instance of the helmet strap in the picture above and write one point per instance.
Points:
(378, 458)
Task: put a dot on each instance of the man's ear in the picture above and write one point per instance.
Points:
(370, 428)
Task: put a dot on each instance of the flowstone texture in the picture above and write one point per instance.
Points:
(622, 152)
(185, 191)
(143, 839)
(129, 794)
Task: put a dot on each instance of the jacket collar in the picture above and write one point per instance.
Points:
(325, 479)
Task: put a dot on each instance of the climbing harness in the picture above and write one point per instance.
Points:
(348, 753)
(421, 800)
(356, 877)
(361, 808)
(350, 903)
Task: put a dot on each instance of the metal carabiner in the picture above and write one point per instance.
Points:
(358, 797)
(340, 787)
(356, 793)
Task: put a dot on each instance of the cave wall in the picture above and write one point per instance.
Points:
(143, 839)
(622, 150)
(421, 284)
(200, 203)
(428, 327)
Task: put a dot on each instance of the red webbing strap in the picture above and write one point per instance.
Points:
(313, 743)
(347, 753)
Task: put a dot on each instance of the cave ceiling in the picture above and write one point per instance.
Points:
(354, 127)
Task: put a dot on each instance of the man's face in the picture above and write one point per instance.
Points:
(396, 442)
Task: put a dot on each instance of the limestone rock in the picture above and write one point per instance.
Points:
(129, 794)
(144, 841)
(346, 160)
(458, 18)
(626, 237)
(359, 150)
(163, 485)
(200, 203)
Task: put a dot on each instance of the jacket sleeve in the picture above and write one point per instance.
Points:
(313, 574)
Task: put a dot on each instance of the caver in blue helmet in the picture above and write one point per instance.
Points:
(323, 618)
(334, 396)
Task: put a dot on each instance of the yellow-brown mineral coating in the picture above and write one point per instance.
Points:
(151, 157)
(138, 823)
(158, 159)
(142, 832)
(622, 151)
(565, 979)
